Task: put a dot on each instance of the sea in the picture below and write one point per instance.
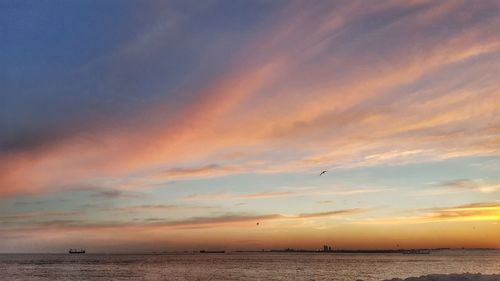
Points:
(244, 266)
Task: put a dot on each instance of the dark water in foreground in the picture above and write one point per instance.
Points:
(243, 266)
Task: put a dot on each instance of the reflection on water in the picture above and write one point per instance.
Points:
(243, 266)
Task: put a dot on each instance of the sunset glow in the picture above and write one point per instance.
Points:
(179, 125)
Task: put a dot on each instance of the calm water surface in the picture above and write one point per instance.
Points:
(243, 266)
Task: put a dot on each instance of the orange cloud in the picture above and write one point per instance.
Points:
(485, 211)
(229, 196)
(229, 220)
(157, 207)
(472, 185)
(203, 171)
(475, 211)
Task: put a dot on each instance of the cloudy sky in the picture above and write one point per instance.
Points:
(169, 125)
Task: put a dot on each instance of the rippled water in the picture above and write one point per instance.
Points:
(243, 266)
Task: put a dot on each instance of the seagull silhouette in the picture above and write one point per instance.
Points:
(322, 172)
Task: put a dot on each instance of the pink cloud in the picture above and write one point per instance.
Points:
(292, 89)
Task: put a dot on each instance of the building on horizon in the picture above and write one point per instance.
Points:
(327, 248)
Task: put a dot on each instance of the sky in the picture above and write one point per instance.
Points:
(139, 126)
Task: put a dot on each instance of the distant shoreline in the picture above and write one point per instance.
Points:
(374, 251)
(451, 277)
(336, 251)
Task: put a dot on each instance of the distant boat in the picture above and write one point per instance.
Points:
(417, 252)
(212, 252)
(76, 251)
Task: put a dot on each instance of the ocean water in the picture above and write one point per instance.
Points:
(243, 266)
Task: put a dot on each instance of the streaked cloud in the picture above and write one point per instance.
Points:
(458, 186)
(249, 196)
(203, 171)
(296, 192)
(331, 213)
(110, 194)
(474, 211)
(472, 185)
(229, 220)
(157, 207)
(30, 202)
(482, 211)
(28, 215)
(37, 218)
(353, 191)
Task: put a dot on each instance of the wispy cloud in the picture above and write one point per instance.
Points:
(268, 194)
(202, 171)
(112, 194)
(473, 211)
(221, 195)
(30, 202)
(331, 213)
(27, 215)
(249, 196)
(37, 218)
(482, 211)
(353, 191)
(473, 185)
(459, 186)
(157, 207)
(226, 220)
(108, 194)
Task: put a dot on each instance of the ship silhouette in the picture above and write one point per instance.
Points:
(76, 251)
(212, 252)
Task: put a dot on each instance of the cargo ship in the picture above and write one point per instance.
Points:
(76, 251)
(212, 252)
(417, 252)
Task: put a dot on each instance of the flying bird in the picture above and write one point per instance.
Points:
(322, 172)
